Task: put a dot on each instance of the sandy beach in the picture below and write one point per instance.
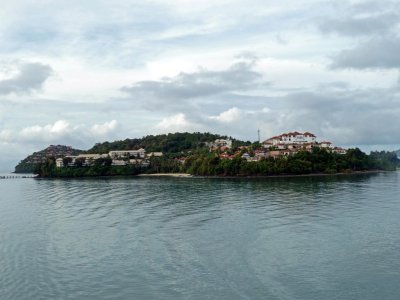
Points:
(166, 175)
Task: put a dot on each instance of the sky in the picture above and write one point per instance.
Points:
(81, 72)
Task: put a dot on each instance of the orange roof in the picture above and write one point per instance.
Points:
(294, 133)
(309, 134)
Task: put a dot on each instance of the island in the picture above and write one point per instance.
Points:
(206, 154)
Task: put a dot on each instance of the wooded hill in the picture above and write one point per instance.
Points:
(172, 144)
(167, 143)
(29, 163)
(205, 163)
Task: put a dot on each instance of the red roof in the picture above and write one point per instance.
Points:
(309, 134)
(294, 133)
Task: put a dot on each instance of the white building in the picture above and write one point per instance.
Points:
(59, 162)
(87, 159)
(218, 143)
(326, 144)
(291, 138)
(154, 154)
(126, 154)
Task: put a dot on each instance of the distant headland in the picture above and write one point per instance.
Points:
(206, 154)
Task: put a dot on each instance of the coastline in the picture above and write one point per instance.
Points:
(185, 175)
(298, 175)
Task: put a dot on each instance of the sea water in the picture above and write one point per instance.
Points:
(334, 237)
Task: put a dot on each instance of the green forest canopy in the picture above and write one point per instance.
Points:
(166, 143)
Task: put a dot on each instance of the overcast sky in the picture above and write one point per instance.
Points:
(80, 72)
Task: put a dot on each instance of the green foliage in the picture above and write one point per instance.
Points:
(36, 159)
(199, 161)
(303, 162)
(385, 160)
(209, 164)
(67, 160)
(99, 168)
(163, 165)
(169, 144)
(79, 162)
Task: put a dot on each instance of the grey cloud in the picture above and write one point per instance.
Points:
(361, 18)
(367, 116)
(200, 84)
(374, 24)
(371, 6)
(375, 53)
(360, 25)
(345, 116)
(30, 77)
(334, 85)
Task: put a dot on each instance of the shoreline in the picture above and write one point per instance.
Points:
(298, 175)
(176, 175)
(187, 175)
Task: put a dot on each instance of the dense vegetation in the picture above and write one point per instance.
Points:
(103, 167)
(315, 162)
(25, 167)
(31, 162)
(204, 163)
(172, 143)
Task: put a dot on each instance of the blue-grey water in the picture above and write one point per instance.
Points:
(189, 238)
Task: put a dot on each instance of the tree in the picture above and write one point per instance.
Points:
(67, 160)
(80, 161)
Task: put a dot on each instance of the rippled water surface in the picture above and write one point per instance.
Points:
(191, 238)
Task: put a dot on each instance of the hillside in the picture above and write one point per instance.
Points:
(28, 164)
(166, 143)
(398, 153)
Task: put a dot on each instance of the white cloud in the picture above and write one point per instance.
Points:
(265, 110)
(16, 144)
(48, 132)
(104, 129)
(240, 116)
(61, 132)
(231, 115)
(174, 123)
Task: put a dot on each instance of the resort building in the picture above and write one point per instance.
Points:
(118, 158)
(127, 154)
(154, 154)
(85, 159)
(326, 144)
(220, 144)
(290, 143)
(291, 138)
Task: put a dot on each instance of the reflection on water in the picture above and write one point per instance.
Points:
(331, 237)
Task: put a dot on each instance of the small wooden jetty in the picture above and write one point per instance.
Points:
(11, 176)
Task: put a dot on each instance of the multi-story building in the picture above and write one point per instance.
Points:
(292, 142)
(118, 157)
(127, 154)
(291, 138)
